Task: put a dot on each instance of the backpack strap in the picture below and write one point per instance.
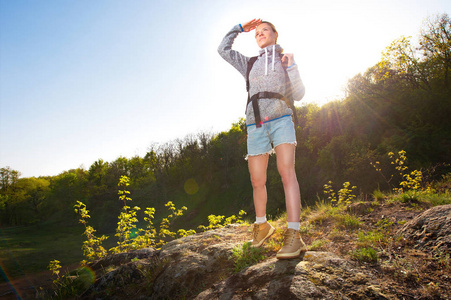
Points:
(289, 97)
(254, 99)
(249, 68)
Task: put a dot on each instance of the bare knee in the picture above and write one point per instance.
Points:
(258, 181)
(288, 175)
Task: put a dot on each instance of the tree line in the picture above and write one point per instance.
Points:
(401, 103)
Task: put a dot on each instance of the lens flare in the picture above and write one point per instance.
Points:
(87, 276)
(11, 286)
(191, 186)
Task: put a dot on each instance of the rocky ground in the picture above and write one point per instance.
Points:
(413, 261)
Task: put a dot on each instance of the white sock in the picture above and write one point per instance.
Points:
(294, 225)
(260, 220)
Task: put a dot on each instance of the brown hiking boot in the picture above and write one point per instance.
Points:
(293, 245)
(261, 233)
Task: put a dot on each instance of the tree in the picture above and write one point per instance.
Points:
(8, 179)
(9, 197)
(115, 170)
(97, 172)
(65, 190)
(36, 190)
(400, 59)
(435, 43)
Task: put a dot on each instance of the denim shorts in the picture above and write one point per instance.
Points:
(273, 133)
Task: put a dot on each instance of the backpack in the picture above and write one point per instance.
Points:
(254, 99)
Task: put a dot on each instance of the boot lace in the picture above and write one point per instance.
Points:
(288, 237)
(256, 230)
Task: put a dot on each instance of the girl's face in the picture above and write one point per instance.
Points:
(265, 36)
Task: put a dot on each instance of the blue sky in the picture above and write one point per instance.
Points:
(83, 80)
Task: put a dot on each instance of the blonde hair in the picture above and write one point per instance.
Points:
(272, 27)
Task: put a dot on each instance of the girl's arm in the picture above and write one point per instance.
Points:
(298, 87)
(233, 57)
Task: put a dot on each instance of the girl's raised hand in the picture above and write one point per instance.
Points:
(288, 59)
(251, 25)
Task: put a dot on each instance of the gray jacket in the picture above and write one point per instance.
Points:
(267, 75)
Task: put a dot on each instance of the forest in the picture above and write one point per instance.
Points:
(401, 103)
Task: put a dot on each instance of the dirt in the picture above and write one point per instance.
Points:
(407, 272)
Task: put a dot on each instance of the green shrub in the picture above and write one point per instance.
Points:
(367, 254)
(221, 221)
(246, 255)
(127, 219)
(345, 195)
(92, 247)
(411, 181)
(63, 287)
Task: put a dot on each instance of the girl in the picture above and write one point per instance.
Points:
(270, 127)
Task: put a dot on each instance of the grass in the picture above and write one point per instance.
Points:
(348, 221)
(322, 213)
(317, 244)
(326, 213)
(415, 197)
(305, 227)
(26, 250)
(378, 195)
(437, 199)
(368, 238)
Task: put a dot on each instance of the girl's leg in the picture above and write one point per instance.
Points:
(285, 165)
(293, 245)
(257, 169)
